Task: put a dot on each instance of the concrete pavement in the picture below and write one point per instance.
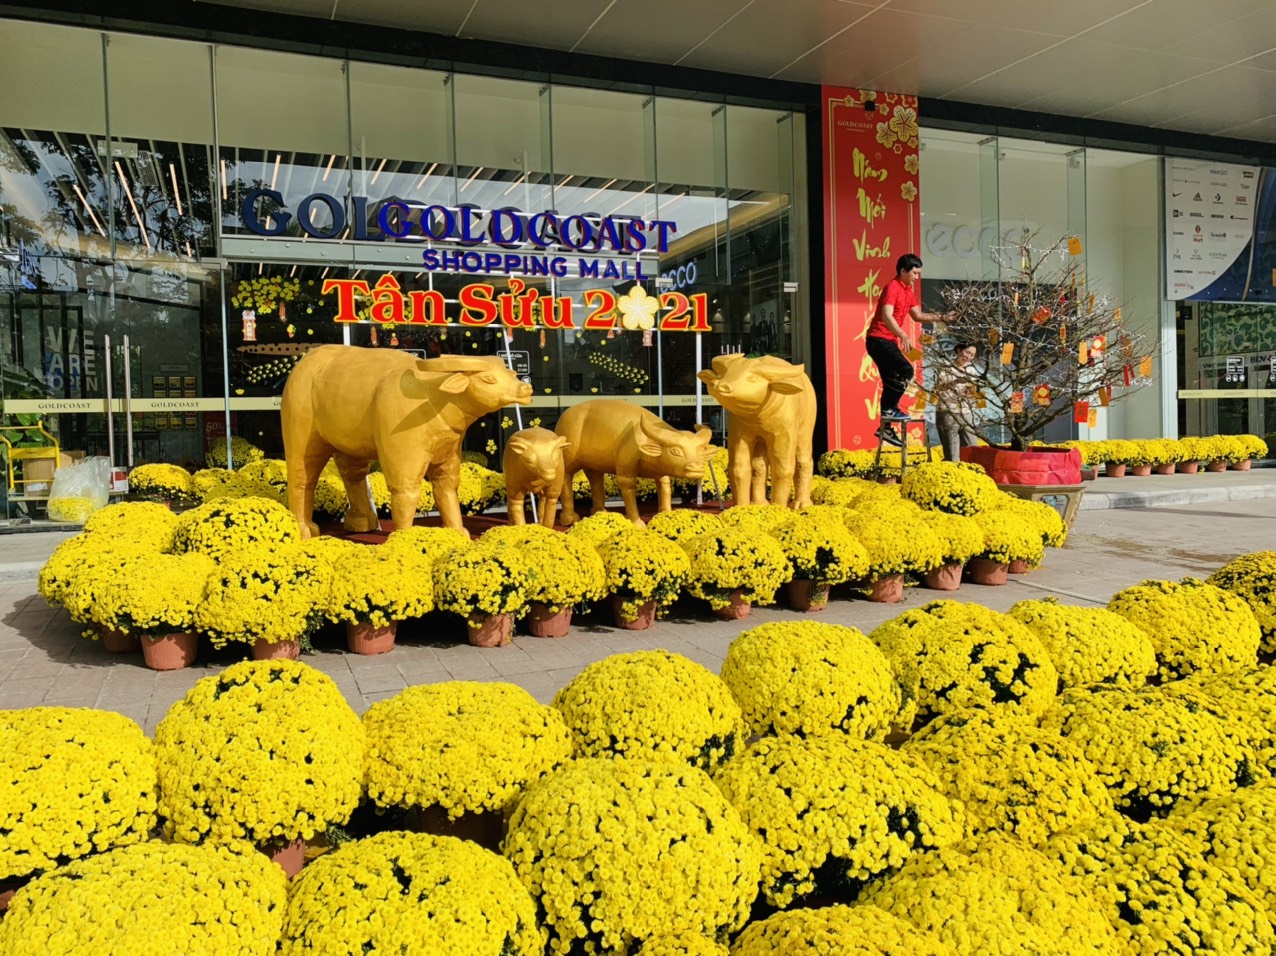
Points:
(43, 660)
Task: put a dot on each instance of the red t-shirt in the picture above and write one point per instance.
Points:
(902, 298)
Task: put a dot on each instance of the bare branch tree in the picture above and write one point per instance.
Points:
(1048, 343)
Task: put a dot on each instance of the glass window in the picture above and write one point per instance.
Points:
(502, 144)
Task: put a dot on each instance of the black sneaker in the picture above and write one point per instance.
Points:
(888, 435)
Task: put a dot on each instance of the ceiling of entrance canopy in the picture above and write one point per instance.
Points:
(1205, 67)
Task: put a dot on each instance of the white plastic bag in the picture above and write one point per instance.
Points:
(79, 489)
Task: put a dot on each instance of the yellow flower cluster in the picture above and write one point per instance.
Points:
(213, 483)
(75, 782)
(479, 488)
(262, 592)
(842, 463)
(1247, 701)
(652, 703)
(151, 899)
(241, 449)
(229, 524)
(1153, 749)
(1253, 578)
(819, 548)
(562, 571)
(842, 492)
(152, 596)
(1011, 775)
(716, 483)
(837, 930)
(948, 486)
(1009, 537)
(373, 585)
(1194, 626)
(1164, 451)
(600, 526)
(683, 944)
(730, 560)
(463, 746)
(264, 293)
(431, 543)
(960, 538)
(617, 851)
(481, 579)
(833, 813)
(895, 547)
(331, 500)
(1161, 894)
(76, 560)
(71, 509)
(1089, 645)
(85, 596)
(806, 678)
(641, 566)
(1237, 834)
(266, 750)
(996, 896)
(755, 518)
(1037, 515)
(264, 478)
(949, 655)
(144, 523)
(413, 894)
(161, 482)
(681, 524)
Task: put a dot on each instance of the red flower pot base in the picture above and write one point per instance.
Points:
(1113, 470)
(947, 577)
(370, 639)
(291, 856)
(1241, 465)
(1019, 566)
(888, 589)
(490, 630)
(806, 595)
(171, 652)
(983, 571)
(737, 609)
(118, 642)
(1216, 466)
(1140, 471)
(1164, 469)
(9, 887)
(282, 651)
(645, 615)
(1188, 467)
(542, 621)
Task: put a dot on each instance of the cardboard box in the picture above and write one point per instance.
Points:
(38, 472)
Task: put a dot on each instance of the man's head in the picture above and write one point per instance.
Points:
(908, 269)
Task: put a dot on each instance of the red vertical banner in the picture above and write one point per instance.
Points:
(872, 216)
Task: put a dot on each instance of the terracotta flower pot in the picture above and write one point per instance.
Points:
(9, 887)
(984, 571)
(807, 595)
(1114, 470)
(1089, 474)
(1241, 465)
(118, 642)
(888, 589)
(485, 829)
(264, 650)
(737, 609)
(1019, 566)
(643, 619)
(1216, 466)
(171, 652)
(544, 622)
(946, 577)
(290, 856)
(1189, 467)
(490, 630)
(1140, 471)
(1164, 469)
(370, 639)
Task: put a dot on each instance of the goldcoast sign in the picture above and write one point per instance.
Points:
(519, 308)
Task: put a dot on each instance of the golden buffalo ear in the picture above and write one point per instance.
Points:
(562, 443)
(703, 431)
(518, 445)
(646, 445)
(455, 384)
(709, 451)
(785, 387)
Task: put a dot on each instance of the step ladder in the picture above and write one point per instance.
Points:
(900, 430)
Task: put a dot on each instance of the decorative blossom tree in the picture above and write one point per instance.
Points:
(1050, 347)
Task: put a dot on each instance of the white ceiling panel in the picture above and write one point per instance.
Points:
(1204, 66)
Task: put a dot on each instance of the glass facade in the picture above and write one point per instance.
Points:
(174, 212)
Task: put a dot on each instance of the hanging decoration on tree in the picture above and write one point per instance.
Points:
(1092, 420)
(1081, 413)
(1060, 328)
(1145, 367)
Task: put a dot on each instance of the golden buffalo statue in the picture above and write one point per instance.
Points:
(615, 437)
(533, 462)
(770, 407)
(359, 405)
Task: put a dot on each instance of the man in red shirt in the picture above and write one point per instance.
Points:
(887, 340)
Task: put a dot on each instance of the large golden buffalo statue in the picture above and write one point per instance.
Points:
(357, 405)
(770, 407)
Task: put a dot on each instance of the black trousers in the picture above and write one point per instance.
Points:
(896, 370)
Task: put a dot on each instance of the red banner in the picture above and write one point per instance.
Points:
(872, 217)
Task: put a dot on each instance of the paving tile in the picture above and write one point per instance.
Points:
(377, 679)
